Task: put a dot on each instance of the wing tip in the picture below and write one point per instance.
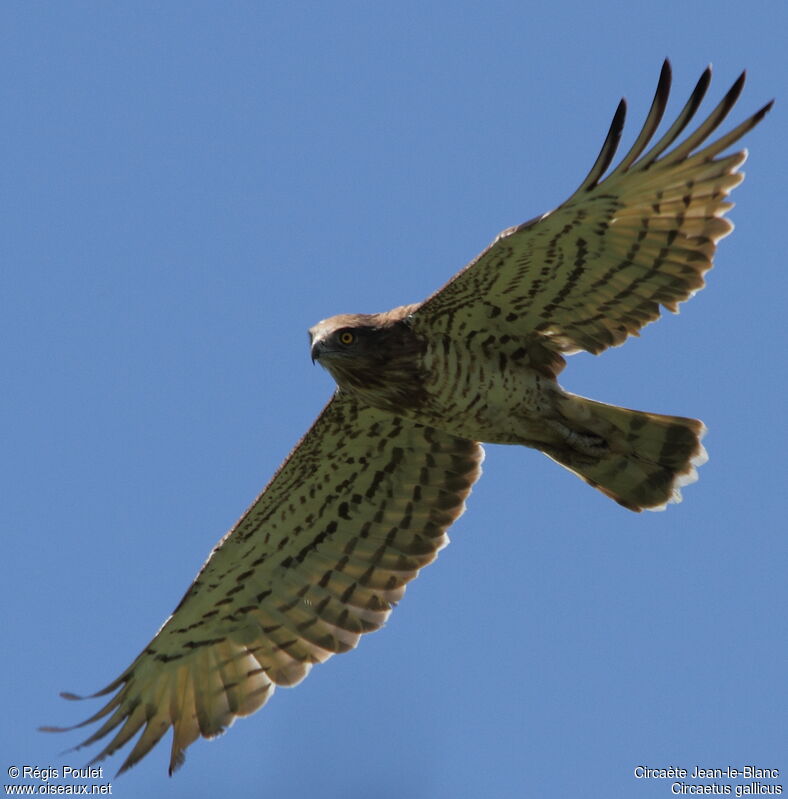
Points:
(609, 147)
(762, 112)
(665, 77)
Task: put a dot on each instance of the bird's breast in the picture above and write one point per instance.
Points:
(480, 391)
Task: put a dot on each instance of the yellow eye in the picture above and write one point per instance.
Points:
(346, 337)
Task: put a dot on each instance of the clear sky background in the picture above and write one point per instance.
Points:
(186, 188)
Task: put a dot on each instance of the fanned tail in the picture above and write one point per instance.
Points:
(639, 459)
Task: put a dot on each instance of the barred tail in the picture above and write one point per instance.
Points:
(641, 460)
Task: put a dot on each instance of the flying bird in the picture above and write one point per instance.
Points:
(364, 500)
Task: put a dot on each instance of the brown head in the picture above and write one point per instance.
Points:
(377, 357)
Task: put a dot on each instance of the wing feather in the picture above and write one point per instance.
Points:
(597, 269)
(319, 559)
(654, 117)
(609, 148)
(682, 120)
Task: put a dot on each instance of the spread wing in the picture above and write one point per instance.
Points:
(595, 270)
(362, 503)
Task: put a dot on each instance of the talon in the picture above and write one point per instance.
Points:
(586, 443)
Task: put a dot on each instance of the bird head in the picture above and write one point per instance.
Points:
(344, 338)
(369, 354)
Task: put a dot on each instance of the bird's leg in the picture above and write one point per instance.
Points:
(583, 442)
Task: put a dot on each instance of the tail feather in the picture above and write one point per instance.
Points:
(641, 460)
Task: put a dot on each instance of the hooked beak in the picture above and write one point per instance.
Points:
(316, 351)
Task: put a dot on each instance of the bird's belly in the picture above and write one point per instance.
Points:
(489, 399)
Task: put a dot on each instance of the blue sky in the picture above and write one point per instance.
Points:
(188, 187)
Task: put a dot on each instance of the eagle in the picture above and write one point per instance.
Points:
(364, 500)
